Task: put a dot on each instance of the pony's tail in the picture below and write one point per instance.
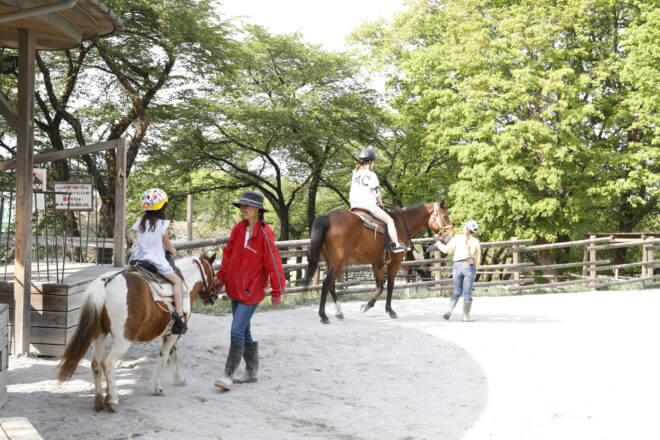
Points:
(319, 229)
(89, 325)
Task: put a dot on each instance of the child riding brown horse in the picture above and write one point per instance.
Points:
(340, 236)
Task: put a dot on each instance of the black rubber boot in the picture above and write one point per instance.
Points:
(179, 327)
(233, 360)
(251, 356)
(452, 304)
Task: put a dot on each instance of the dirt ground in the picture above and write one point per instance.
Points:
(572, 366)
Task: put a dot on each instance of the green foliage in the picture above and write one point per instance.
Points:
(540, 105)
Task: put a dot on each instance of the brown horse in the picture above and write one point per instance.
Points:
(340, 236)
(123, 306)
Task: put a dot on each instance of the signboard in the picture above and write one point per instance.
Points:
(39, 176)
(79, 197)
(9, 64)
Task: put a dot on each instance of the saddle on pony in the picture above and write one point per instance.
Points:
(160, 288)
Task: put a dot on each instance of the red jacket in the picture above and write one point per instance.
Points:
(245, 270)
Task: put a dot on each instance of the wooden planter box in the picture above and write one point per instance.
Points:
(54, 316)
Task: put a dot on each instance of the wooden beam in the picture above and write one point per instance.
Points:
(8, 112)
(64, 154)
(24, 165)
(120, 205)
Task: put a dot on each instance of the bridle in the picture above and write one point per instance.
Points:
(435, 218)
(209, 293)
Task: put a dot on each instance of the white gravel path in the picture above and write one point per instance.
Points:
(556, 366)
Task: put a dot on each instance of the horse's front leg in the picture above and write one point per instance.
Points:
(379, 276)
(165, 353)
(174, 362)
(117, 351)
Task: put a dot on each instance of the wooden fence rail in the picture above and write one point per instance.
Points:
(508, 273)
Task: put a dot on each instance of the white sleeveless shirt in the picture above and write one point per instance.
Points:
(149, 245)
(365, 188)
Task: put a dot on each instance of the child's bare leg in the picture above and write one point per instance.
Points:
(177, 291)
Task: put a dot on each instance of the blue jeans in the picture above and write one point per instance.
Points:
(240, 325)
(463, 275)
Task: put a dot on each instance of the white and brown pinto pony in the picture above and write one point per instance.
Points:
(124, 308)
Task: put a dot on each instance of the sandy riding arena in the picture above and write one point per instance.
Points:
(571, 366)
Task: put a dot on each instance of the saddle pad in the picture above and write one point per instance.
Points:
(163, 293)
(369, 221)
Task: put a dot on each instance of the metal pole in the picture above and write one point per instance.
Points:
(24, 162)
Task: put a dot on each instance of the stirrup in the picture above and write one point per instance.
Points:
(397, 248)
(179, 327)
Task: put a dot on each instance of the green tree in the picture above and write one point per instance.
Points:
(536, 101)
(279, 123)
(123, 86)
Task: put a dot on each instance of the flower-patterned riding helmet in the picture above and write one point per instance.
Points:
(153, 199)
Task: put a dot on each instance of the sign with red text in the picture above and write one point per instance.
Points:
(73, 196)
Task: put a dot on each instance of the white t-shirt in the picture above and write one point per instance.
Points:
(149, 245)
(365, 189)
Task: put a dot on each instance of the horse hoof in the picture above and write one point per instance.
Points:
(98, 404)
(364, 308)
(158, 391)
(393, 315)
(325, 320)
(112, 407)
(340, 316)
(181, 382)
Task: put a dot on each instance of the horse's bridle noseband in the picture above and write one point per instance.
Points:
(435, 218)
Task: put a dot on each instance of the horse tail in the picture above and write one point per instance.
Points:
(319, 229)
(89, 324)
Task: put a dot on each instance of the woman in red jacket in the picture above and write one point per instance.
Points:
(249, 260)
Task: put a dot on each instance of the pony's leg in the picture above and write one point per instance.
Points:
(174, 362)
(165, 353)
(97, 370)
(329, 279)
(379, 276)
(391, 276)
(117, 351)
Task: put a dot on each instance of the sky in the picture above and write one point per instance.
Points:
(327, 23)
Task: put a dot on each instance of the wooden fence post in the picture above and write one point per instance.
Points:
(515, 255)
(647, 256)
(189, 217)
(592, 258)
(120, 204)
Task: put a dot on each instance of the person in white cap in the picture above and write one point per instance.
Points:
(467, 257)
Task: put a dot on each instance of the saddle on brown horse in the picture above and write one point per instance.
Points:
(373, 224)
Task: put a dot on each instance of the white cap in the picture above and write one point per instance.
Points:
(472, 226)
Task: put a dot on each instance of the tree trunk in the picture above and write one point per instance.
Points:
(311, 198)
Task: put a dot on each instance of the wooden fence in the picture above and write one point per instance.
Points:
(517, 268)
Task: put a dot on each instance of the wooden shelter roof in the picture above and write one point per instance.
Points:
(64, 29)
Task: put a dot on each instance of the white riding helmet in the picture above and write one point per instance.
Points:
(472, 226)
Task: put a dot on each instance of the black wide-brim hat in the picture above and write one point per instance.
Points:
(251, 198)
